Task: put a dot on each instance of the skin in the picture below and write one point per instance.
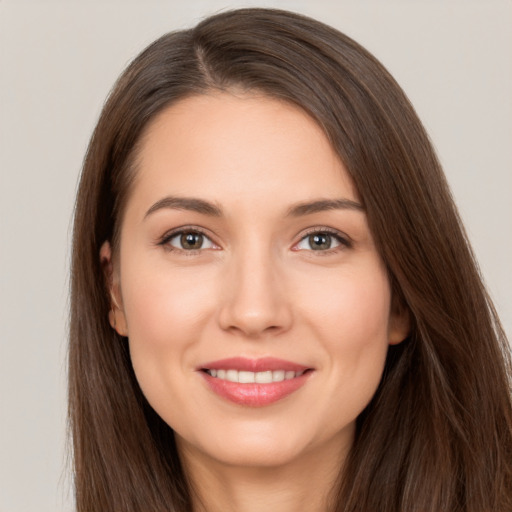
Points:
(256, 288)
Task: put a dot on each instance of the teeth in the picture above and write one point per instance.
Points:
(232, 375)
(245, 377)
(263, 377)
(278, 375)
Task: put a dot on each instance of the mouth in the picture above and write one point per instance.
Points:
(254, 382)
(247, 377)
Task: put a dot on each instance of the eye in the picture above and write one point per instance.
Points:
(189, 240)
(321, 241)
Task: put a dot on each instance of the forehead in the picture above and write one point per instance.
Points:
(238, 148)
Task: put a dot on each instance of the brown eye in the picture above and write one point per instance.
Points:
(189, 241)
(320, 241)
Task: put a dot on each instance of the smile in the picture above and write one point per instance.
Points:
(247, 377)
(254, 382)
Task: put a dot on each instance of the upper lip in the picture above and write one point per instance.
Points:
(253, 365)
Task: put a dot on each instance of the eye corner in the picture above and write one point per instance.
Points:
(205, 240)
(337, 241)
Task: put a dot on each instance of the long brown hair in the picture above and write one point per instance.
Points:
(437, 435)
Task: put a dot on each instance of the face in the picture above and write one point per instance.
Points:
(256, 306)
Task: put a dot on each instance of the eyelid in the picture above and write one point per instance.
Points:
(169, 235)
(344, 240)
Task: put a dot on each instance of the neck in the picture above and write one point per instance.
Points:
(300, 485)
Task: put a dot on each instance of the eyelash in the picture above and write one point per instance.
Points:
(164, 242)
(343, 240)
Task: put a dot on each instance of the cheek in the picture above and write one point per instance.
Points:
(166, 313)
(351, 323)
(161, 306)
(350, 308)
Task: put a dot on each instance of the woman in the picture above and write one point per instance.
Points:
(274, 305)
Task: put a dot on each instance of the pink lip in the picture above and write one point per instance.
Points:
(254, 365)
(254, 395)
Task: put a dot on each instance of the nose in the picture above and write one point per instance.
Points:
(255, 302)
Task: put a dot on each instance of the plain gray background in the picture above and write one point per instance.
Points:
(57, 62)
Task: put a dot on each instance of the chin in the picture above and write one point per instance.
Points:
(264, 447)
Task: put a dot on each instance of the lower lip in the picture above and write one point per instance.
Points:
(255, 395)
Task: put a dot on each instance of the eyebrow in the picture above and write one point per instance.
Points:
(207, 208)
(321, 205)
(186, 203)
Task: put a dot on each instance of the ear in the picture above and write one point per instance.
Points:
(399, 323)
(116, 314)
